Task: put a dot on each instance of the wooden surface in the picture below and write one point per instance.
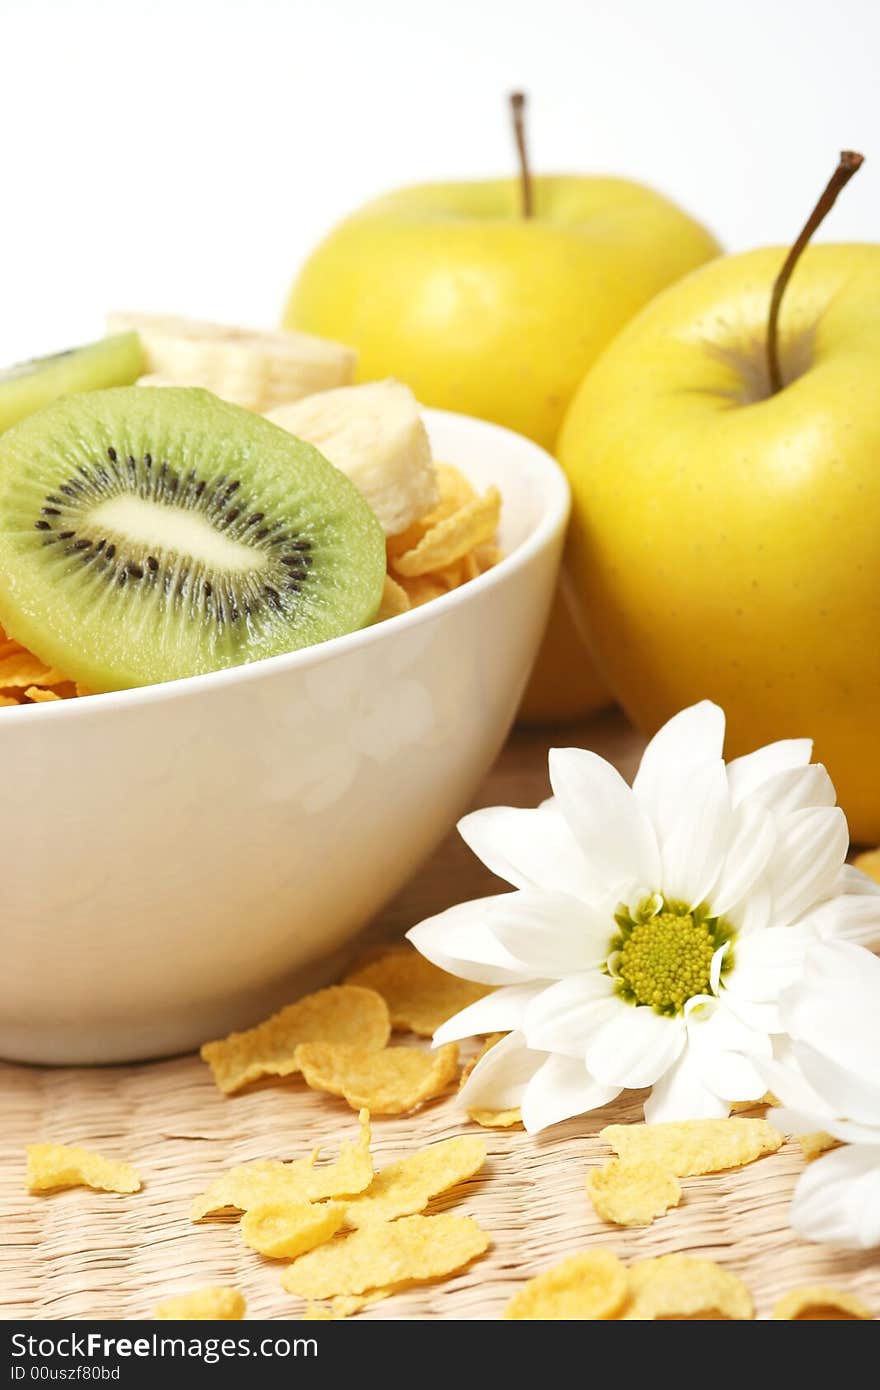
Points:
(83, 1254)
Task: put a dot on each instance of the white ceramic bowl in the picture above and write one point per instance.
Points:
(179, 860)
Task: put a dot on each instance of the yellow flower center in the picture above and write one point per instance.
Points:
(666, 961)
(663, 954)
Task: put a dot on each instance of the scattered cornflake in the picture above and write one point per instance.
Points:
(341, 1014)
(318, 1312)
(680, 1287)
(816, 1143)
(384, 1253)
(348, 1304)
(869, 863)
(589, 1287)
(820, 1303)
(389, 1082)
(496, 1119)
(409, 1185)
(53, 1166)
(38, 695)
(268, 1180)
(420, 996)
(283, 1230)
(8, 700)
(204, 1305)
(632, 1193)
(767, 1098)
(690, 1147)
(395, 600)
(450, 539)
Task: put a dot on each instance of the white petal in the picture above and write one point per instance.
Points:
(846, 1092)
(790, 1086)
(681, 1094)
(562, 1088)
(461, 942)
(500, 1078)
(762, 1015)
(723, 1050)
(848, 916)
(807, 1122)
(837, 1199)
(767, 962)
(753, 913)
(634, 1046)
(694, 849)
(810, 851)
(528, 848)
(796, 789)
(500, 1012)
(748, 773)
(613, 831)
(551, 934)
(563, 1017)
(689, 740)
(718, 960)
(835, 1007)
(751, 840)
(853, 880)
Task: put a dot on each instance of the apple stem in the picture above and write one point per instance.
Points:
(517, 107)
(850, 162)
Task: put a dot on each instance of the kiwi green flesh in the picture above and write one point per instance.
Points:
(151, 533)
(26, 387)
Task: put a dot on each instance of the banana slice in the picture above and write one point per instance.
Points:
(374, 434)
(257, 370)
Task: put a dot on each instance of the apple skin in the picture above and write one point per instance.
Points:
(482, 311)
(725, 542)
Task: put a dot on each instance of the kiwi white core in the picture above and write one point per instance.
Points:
(160, 527)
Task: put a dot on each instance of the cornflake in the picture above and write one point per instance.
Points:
(387, 1253)
(389, 1082)
(204, 1305)
(816, 1143)
(409, 1185)
(589, 1287)
(340, 1014)
(679, 1286)
(420, 996)
(283, 1230)
(54, 1166)
(820, 1303)
(266, 1180)
(449, 540)
(632, 1193)
(690, 1147)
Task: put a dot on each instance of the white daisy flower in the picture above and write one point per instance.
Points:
(831, 1083)
(653, 928)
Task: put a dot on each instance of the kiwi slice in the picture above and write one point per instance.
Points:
(149, 533)
(24, 388)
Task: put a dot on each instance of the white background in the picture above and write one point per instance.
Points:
(183, 155)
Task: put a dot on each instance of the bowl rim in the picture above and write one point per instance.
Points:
(557, 505)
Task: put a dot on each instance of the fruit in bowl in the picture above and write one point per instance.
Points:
(494, 298)
(265, 768)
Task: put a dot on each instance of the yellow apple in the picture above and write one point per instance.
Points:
(483, 310)
(726, 537)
